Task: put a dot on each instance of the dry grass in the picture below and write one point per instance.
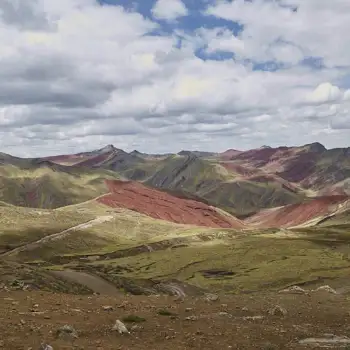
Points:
(47, 188)
(253, 260)
(19, 225)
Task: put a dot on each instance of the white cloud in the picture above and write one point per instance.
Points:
(316, 28)
(169, 10)
(325, 92)
(76, 74)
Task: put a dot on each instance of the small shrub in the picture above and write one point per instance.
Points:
(164, 312)
(133, 319)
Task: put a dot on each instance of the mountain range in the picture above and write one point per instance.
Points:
(247, 185)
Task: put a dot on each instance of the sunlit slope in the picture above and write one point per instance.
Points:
(48, 187)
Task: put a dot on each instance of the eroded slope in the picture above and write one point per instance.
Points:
(297, 214)
(161, 205)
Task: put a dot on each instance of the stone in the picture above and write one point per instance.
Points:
(211, 297)
(107, 308)
(45, 347)
(327, 340)
(66, 332)
(325, 289)
(294, 290)
(120, 327)
(278, 311)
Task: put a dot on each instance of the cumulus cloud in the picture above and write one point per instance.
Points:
(76, 75)
(324, 93)
(169, 10)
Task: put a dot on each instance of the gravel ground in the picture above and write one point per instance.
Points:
(28, 318)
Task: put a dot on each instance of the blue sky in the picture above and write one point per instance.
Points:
(197, 18)
(166, 75)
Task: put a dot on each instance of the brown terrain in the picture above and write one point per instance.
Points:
(161, 205)
(296, 214)
(267, 321)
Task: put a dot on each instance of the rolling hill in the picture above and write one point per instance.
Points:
(48, 185)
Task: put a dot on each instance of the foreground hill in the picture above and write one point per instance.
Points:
(143, 255)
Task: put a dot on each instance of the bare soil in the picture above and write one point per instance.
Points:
(161, 205)
(28, 318)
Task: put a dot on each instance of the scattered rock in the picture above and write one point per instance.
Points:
(328, 339)
(278, 311)
(120, 327)
(107, 308)
(191, 318)
(253, 318)
(76, 310)
(325, 289)
(46, 347)
(211, 297)
(244, 309)
(66, 332)
(188, 309)
(294, 290)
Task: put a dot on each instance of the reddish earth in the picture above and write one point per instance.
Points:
(294, 164)
(260, 156)
(257, 175)
(229, 154)
(70, 159)
(161, 205)
(94, 160)
(296, 214)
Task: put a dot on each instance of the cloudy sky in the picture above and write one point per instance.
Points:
(166, 75)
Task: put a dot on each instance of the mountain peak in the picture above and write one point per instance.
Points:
(316, 147)
(108, 148)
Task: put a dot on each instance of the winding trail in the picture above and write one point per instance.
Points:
(59, 235)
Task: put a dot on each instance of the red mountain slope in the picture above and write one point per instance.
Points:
(161, 205)
(297, 214)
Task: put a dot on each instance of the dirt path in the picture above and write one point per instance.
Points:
(95, 283)
(59, 235)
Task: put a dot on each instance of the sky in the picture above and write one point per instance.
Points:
(166, 75)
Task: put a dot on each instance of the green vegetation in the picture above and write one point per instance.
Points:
(165, 312)
(133, 319)
(256, 263)
(45, 187)
(133, 247)
(214, 184)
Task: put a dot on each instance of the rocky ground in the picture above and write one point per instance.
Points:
(289, 320)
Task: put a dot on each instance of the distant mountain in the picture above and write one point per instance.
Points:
(197, 153)
(240, 182)
(311, 166)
